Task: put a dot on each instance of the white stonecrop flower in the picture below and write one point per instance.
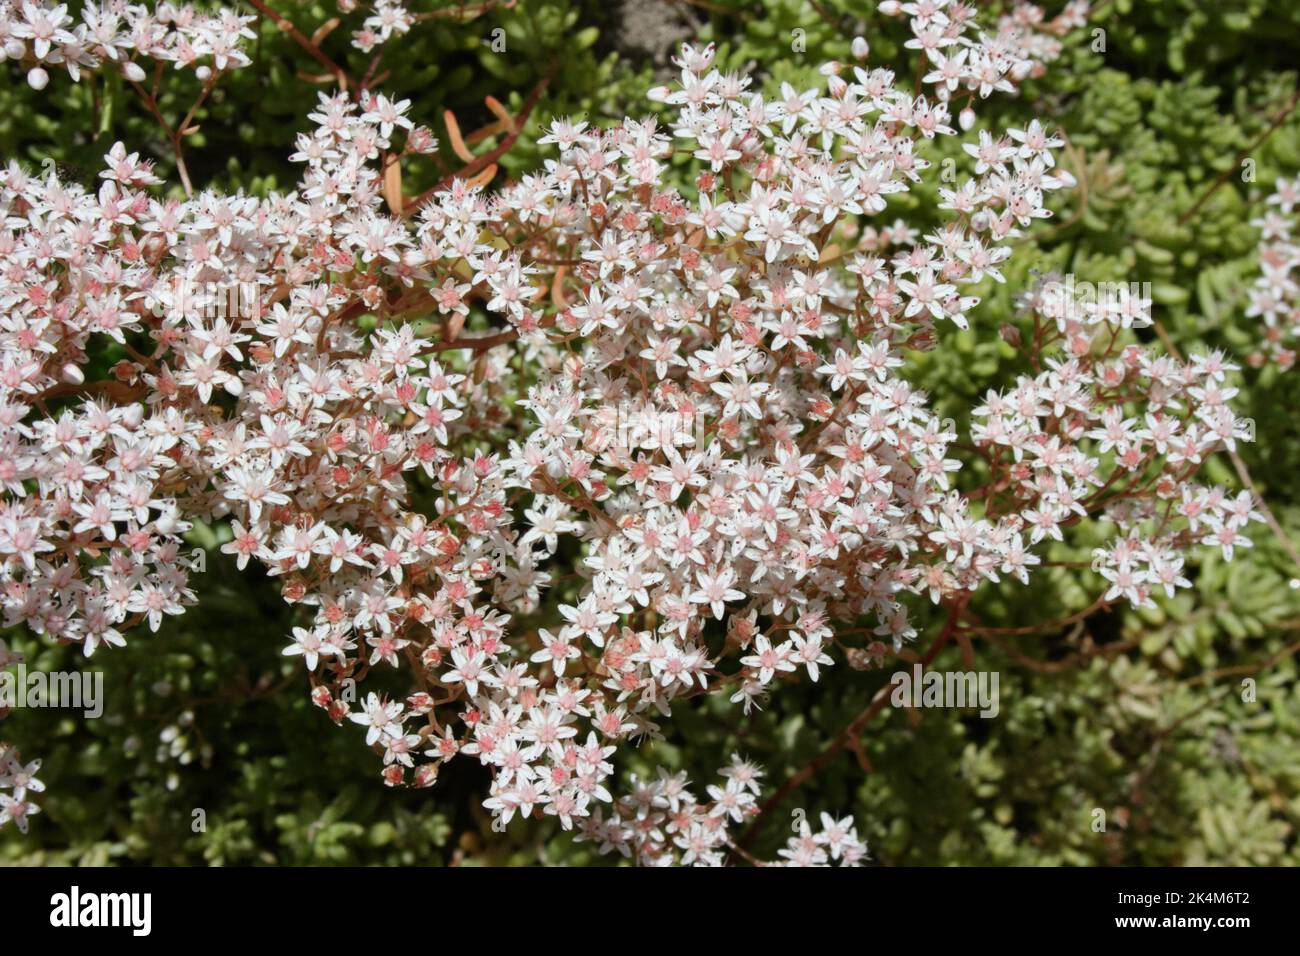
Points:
(40, 33)
(1275, 295)
(18, 784)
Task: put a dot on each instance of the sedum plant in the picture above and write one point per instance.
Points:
(539, 468)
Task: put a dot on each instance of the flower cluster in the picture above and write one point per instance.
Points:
(1275, 296)
(90, 489)
(1116, 431)
(661, 823)
(571, 452)
(963, 60)
(17, 778)
(388, 18)
(40, 33)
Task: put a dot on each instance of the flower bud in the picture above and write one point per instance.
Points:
(861, 48)
(134, 72)
(966, 118)
(37, 78)
(426, 774)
